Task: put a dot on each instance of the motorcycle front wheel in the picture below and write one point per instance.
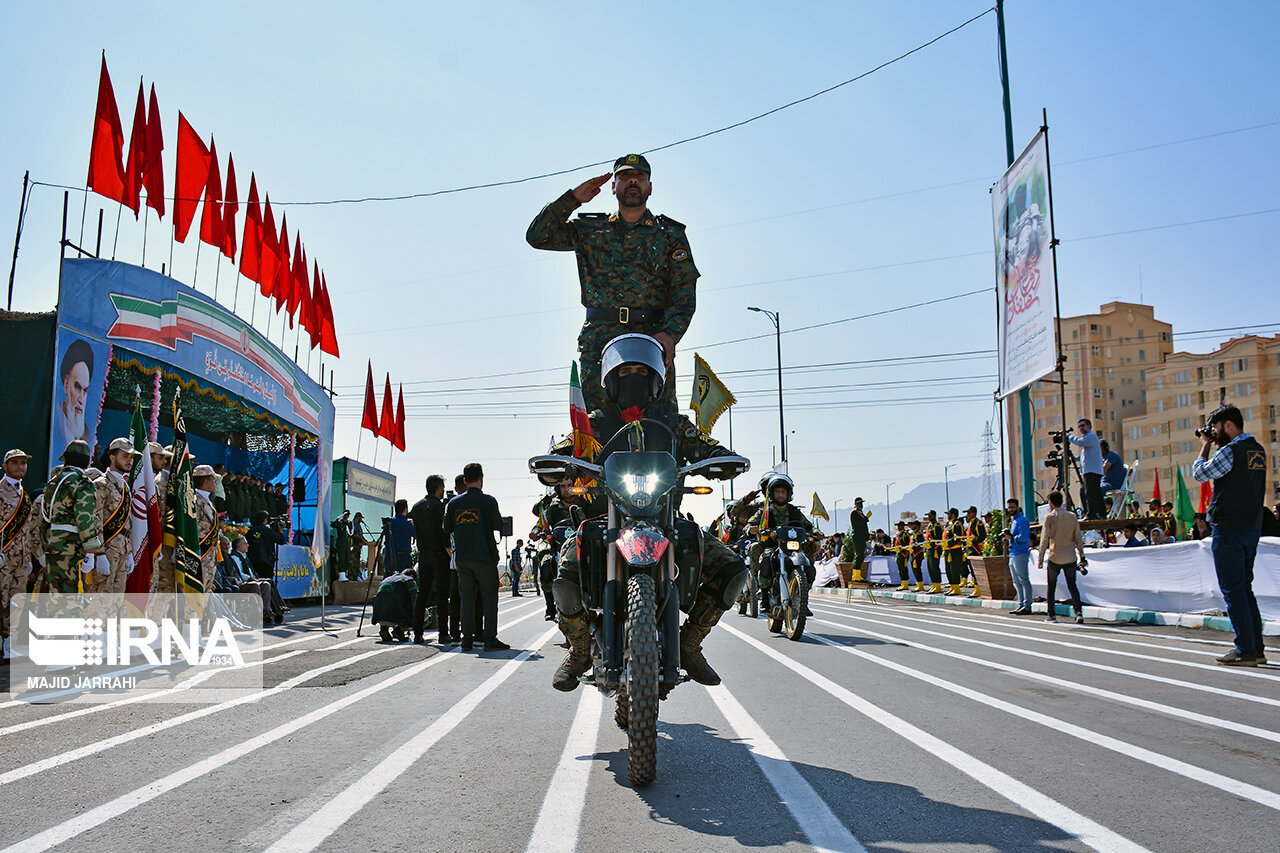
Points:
(794, 614)
(642, 680)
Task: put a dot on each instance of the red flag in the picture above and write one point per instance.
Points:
(398, 441)
(370, 419)
(387, 429)
(211, 219)
(251, 241)
(1155, 491)
(315, 304)
(270, 259)
(1206, 495)
(328, 336)
(193, 174)
(153, 168)
(303, 288)
(106, 171)
(137, 155)
(230, 204)
(283, 286)
(296, 276)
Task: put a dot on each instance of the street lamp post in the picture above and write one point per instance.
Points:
(947, 482)
(777, 328)
(888, 515)
(835, 513)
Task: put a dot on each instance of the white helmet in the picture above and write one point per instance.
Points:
(632, 349)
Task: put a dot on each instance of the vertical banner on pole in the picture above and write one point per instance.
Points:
(1024, 271)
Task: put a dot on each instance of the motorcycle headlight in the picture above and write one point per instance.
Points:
(793, 546)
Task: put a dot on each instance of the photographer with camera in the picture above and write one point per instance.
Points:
(263, 541)
(1090, 467)
(1239, 474)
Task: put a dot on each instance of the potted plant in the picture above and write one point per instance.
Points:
(992, 568)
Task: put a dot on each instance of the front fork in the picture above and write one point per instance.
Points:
(613, 619)
(669, 619)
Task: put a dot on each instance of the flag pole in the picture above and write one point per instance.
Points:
(235, 295)
(197, 266)
(217, 271)
(359, 441)
(146, 220)
(84, 207)
(115, 241)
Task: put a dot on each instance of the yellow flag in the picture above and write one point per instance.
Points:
(710, 397)
(819, 511)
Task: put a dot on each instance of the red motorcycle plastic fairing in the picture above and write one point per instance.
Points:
(642, 546)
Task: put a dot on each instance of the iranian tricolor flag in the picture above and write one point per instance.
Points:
(144, 531)
(585, 445)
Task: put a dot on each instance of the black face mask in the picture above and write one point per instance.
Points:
(633, 390)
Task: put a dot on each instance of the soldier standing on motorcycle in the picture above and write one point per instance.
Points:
(633, 372)
(561, 508)
(778, 512)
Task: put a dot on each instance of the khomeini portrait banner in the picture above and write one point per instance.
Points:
(1024, 270)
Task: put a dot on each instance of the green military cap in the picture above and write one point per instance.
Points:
(78, 446)
(631, 161)
(16, 454)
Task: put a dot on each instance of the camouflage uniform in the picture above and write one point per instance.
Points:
(17, 516)
(206, 521)
(552, 512)
(162, 576)
(788, 515)
(69, 518)
(623, 267)
(114, 519)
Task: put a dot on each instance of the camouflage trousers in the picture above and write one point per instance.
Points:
(13, 583)
(62, 571)
(118, 572)
(591, 341)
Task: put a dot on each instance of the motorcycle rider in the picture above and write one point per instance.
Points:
(778, 511)
(561, 508)
(633, 374)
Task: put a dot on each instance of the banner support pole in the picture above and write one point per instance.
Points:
(1057, 308)
(17, 237)
(1024, 395)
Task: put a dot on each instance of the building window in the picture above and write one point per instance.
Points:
(1142, 355)
(1097, 393)
(1159, 382)
(1164, 336)
(1108, 352)
(1093, 327)
(1140, 334)
(1159, 405)
(1095, 350)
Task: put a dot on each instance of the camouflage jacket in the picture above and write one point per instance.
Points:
(645, 265)
(17, 516)
(552, 512)
(789, 515)
(69, 513)
(114, 505)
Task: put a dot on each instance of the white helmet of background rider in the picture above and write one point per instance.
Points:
(784, 481)
(634, 389)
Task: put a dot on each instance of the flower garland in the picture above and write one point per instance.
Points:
(155, 408)
(106, 380)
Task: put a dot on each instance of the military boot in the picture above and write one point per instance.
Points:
(904, 586)
(935, 588)
(691, 657)
(977, 593)
(919, 586)
(577, 630)
(954, 589)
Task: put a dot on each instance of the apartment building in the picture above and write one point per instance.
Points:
(1109, 356)
(1185, 389)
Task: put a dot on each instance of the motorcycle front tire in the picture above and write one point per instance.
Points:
(643, 667)
(795, 613)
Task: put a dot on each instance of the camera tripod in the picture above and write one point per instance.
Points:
(377, 547)
(1060, 484)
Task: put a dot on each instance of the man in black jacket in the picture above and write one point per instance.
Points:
(471, 519)
(433, 559)
(262, 553)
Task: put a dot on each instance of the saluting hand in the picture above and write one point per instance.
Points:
(588, 190)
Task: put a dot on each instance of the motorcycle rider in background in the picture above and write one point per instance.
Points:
(561, 508)
(779, 511)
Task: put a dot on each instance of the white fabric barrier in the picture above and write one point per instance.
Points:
(1174, 578)
(879, 570)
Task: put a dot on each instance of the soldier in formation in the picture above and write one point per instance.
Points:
(16, 519)
(69, 529)
(114, 500)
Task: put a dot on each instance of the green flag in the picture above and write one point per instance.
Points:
(181, 531)
(710, 396)
(1183, 509)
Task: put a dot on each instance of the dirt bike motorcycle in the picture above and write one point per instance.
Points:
(785, 575)
(639, 567)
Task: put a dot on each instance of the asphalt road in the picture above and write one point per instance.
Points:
(890, 726)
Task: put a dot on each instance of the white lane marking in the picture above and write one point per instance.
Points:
(1012, 627)
(95, 817)
(1160, 679)
(1123, 698)
(560, 818)
(196, 679)
(1086, 830)
(815, 818)
(108, 743)
(313, 830)
(1138, 753)
(1247, 672)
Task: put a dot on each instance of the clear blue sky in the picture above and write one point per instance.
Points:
(871, 197)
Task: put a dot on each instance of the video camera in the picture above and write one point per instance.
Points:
(1054, 459)
(1059, 435)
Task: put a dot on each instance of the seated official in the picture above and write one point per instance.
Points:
(235, 575)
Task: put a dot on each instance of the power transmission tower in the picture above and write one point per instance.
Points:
(988, 468)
